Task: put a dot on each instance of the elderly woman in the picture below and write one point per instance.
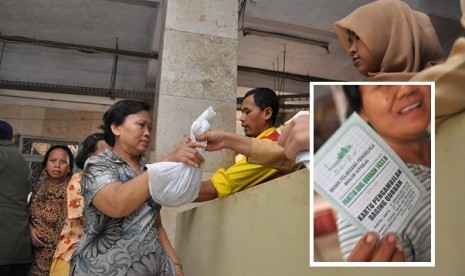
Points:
(388, 41)
(407, 107)
(123, 229)
(47, 207)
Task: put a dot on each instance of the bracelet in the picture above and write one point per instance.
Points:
(178, 264)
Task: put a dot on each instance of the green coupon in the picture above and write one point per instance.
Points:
(365, 180)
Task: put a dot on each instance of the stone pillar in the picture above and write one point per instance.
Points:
(198, 69)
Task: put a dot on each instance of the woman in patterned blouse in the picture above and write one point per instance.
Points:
(48, 207)
(73, 229)
(123, 232)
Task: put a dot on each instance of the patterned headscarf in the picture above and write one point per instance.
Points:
(402, 41)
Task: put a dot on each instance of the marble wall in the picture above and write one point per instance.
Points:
(198, 69)
(50, 122)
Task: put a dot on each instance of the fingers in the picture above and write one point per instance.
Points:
(285, 141)
(195, 145)
(36, 239)
(295, 136)
(197, 159)
(187, 154)
(210, 136)
(285, 131)
(290, 148)
(364, 248)
(203, 137)
(190, 156)
(386, 248)
(37, 243)
(399, 255)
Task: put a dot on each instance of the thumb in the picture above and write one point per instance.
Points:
(201, 137)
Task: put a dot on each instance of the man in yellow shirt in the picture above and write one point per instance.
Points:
(259, 108)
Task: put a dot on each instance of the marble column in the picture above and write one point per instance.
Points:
(198, 69)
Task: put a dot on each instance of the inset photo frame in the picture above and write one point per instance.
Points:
(372, 171)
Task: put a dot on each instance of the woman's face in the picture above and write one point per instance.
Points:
(57, 164)
(362, 58)
(397, 111)
(133, 135)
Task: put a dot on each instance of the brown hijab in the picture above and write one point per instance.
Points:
(402, 41)
(449, 78)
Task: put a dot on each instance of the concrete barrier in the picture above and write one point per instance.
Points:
(260, 231)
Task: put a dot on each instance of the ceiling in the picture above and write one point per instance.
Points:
(69, 45)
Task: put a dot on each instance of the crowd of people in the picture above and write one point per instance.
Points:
(102, 220)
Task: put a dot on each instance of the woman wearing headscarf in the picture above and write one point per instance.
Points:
(388, 41)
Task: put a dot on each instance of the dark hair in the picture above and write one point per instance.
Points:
(117, 114)
(354, 98)
(6, 131)
(263, 98)
(89, 146)
(65, 148)
(4, 135)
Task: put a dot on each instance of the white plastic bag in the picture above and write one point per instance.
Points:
(174, 184)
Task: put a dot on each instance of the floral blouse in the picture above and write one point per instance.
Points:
(47, 214)
(73, 228)
(117, 246)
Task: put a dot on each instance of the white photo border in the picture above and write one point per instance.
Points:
(313, 263)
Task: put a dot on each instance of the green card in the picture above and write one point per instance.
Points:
(365, 180)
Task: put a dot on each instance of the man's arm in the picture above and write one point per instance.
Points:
(269, 154)
(262, 152)
(207, 192)
(220, 139)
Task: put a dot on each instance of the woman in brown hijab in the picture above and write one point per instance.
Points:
(388, 41)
